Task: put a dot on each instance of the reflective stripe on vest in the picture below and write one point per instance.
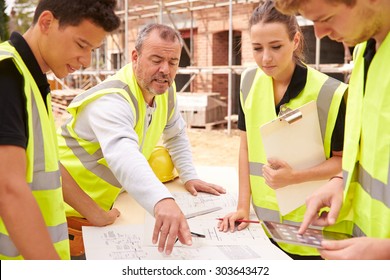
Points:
(324, 101)
(119, 84)
(258, 106)
(357, 231)
(89, 160)
(42, 180)
(377, 189)
(8, 248)
(366, 160)
(110, 84)
(84, 159)
(271, 215)
(43, 175)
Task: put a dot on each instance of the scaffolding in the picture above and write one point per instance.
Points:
(163, 11)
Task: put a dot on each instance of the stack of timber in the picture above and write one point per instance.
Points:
(61, 99)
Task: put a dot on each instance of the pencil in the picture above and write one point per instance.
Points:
(243, 221)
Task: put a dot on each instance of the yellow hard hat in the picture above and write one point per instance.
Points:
(161, 163)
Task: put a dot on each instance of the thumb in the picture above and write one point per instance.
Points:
(275, 163)
(115, 212)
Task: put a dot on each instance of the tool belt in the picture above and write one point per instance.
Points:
(76, 236)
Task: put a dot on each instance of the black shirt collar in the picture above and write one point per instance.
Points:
(297, 84)
(368, 55)
(370, 50)
(29, 59)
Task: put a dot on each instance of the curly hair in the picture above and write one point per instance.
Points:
(72, 12)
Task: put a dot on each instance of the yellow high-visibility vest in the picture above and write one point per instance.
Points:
(258, 104)
(84, 160)
(367, 143)
(43, 175)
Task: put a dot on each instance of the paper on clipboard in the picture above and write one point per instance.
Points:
(295, 139)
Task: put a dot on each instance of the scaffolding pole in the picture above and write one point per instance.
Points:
(160, 8)
(230, 78)
(126, 41)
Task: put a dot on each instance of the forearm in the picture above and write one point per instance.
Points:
(135, 174)
(244, 197)
(79, 200)
(114, 131)
(244, 194)
(19, 210)
(323, 171)
(26, 227)
(383, 249)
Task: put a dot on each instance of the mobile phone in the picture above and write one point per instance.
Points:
(312, 237)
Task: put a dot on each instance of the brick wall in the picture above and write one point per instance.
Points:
(210, 43)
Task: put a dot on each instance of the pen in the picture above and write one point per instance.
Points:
(243, 221)
(194, 234)
(198, 235)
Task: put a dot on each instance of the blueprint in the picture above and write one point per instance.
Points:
(125, 242)
(131, 239)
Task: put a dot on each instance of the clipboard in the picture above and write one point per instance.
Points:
(295, 138)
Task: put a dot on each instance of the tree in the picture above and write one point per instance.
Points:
(4, 34)
(24, 13)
